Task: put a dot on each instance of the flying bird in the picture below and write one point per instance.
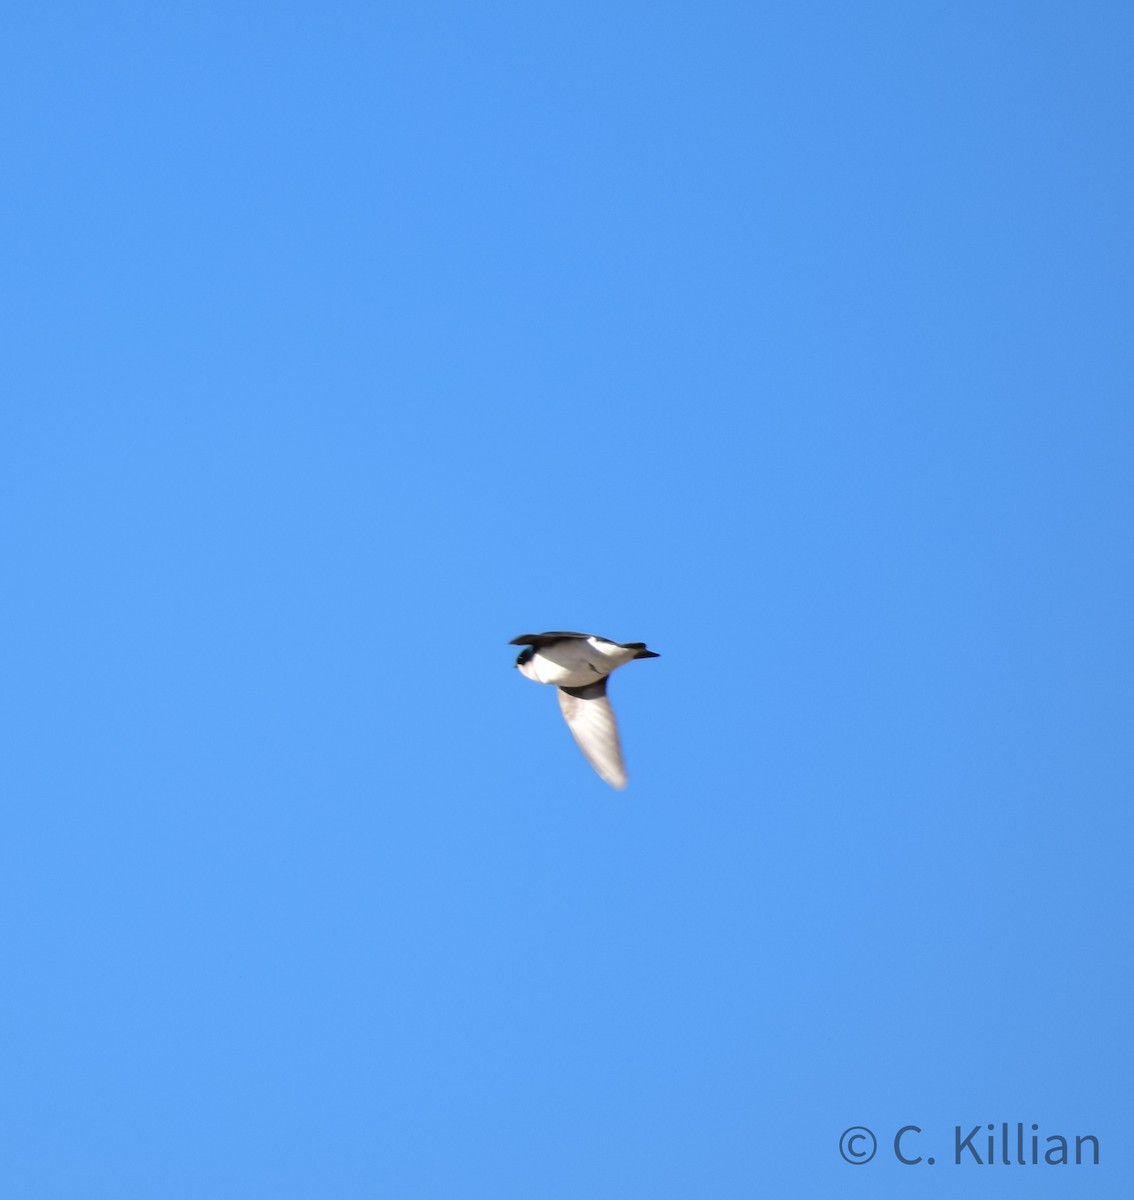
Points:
(578, 664)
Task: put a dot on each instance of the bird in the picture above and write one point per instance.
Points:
(579, 664)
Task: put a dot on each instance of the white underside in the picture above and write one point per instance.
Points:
(575, 662)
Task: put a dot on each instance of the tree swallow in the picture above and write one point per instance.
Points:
(579, 664)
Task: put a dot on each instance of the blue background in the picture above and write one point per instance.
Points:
(342, 344)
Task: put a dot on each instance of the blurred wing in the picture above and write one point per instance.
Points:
(543, 639)
(591, 720)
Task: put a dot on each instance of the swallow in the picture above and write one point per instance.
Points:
(579, 664)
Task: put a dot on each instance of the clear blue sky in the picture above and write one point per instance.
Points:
(342, 343)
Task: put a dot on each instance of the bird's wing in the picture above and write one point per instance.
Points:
(541, 639)
(591, 721)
